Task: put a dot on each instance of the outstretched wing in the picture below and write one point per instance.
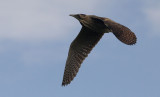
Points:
(79, 50)
(123, 33)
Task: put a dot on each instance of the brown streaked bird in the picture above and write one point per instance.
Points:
(93, 28)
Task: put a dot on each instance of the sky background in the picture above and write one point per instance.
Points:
(34, 41)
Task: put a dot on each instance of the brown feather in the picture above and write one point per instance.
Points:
(123, 33)
(79, 50)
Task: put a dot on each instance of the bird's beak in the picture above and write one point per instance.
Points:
(74, 15)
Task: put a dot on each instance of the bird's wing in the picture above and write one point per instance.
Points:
(79, 50)
(123, 33)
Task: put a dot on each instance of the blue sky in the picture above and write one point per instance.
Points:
(34, 40)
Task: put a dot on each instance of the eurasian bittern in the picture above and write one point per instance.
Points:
(93, 28)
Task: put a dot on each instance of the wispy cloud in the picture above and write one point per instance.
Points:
(34, 19)
(152, 11)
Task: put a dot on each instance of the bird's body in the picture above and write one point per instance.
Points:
(93, 28)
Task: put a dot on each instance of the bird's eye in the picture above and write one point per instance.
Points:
(82, 15)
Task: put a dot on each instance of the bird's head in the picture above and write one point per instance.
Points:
(79, 16)
(82, 18)
(90, 21)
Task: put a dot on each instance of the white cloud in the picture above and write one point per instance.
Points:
(152, 11)
(39, 19)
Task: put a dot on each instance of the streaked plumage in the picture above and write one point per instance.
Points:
(93, 28)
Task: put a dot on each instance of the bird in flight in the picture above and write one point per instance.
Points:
(93, 28)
